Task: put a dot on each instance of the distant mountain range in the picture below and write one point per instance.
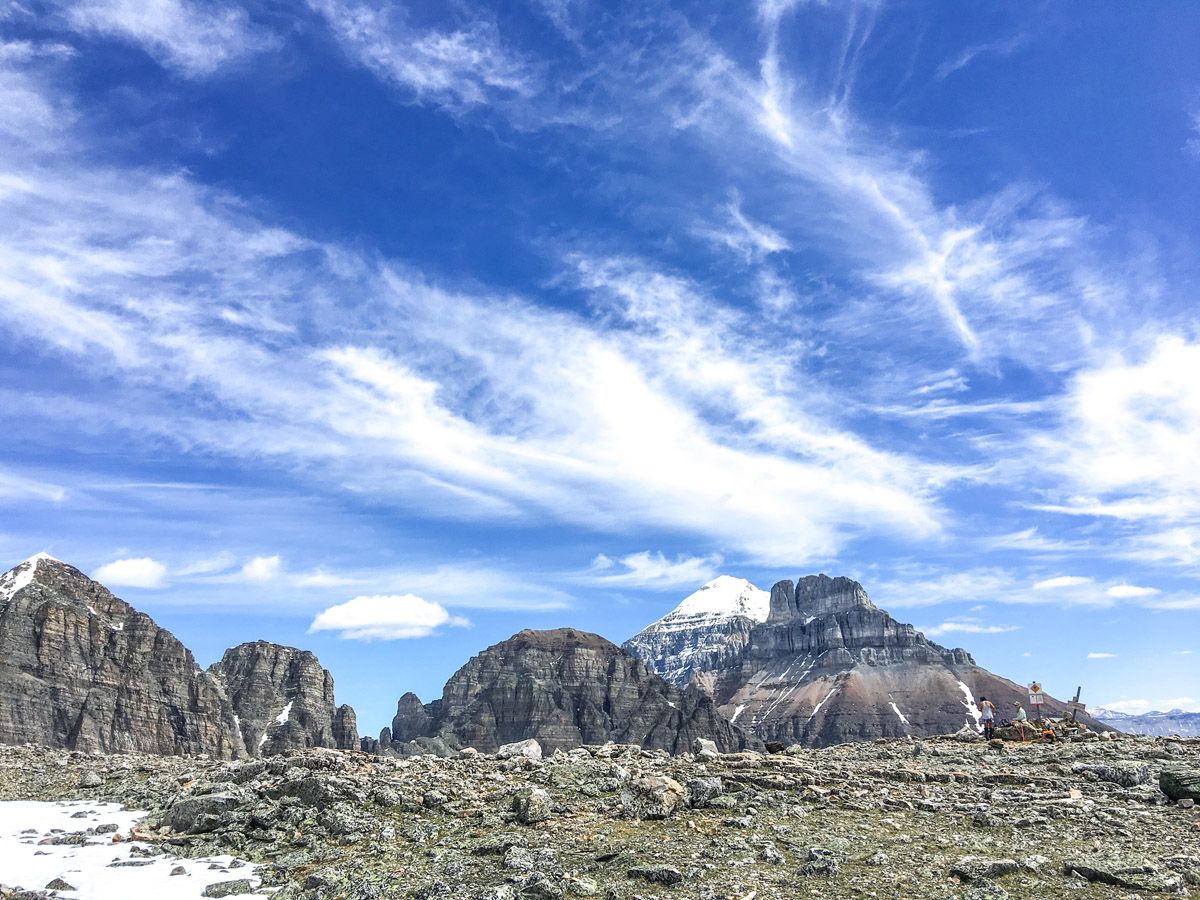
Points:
(1174, 722)
(813, 662)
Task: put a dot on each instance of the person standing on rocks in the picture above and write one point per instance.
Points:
(1021, 719)
(987, 717)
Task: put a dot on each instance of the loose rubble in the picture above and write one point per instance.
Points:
(940, 818)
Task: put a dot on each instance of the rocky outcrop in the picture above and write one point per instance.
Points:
(705, 633)
(83, 670)
(828, 666)
(411, 720)
(345, 728)
(563, 688)
(283, 699)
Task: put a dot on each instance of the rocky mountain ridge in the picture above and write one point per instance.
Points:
(704, 633)
(565, 688)
(826, 665)
(282, 699)
(83, 670)
(1173, 722)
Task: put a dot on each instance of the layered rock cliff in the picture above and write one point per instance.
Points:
(564, 688)
(82, 669)
(828, 666)
(283, 699)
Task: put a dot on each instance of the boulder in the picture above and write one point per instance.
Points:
(652, 797)
(531, 805)
(527, 749)
(1180, 784)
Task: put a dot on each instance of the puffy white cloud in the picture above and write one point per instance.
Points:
(385, 617)
(262, 568)
(140, 572)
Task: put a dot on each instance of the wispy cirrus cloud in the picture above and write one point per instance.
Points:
(195, 39)
(1000, 49)
(651, 570)
(455, 66)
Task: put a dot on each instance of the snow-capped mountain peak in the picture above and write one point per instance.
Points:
(21, 576)
(724, 597)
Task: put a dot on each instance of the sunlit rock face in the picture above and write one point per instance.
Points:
(565, 688)
(706, 632)
(82, 669)
(824, 665)
(283, 699)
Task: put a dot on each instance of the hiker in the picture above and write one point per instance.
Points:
(987, 717)
(1022, 718)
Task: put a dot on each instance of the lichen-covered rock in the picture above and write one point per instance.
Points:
(283, 698)
(532, 805)
(82, 669)
(1179, 784)
(527, 749)
(653, 797)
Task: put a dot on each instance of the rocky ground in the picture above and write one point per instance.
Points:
(936, 818)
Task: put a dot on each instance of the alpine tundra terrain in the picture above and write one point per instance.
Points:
(1087, 817)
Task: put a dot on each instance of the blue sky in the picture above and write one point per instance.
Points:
(390, 333)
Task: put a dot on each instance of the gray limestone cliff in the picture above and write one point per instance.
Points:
(83, 670)
(565, 688)
(826, 666)
(283, 699)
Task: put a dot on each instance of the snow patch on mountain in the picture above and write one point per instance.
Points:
(706, 629)
(723, 598)
(20, 576)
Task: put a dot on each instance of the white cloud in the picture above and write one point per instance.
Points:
(1098, 655)
(196, 39)
(750, 240)
(1000, 49)
(262, 568)
(462, 67)
(1061, 581)
(385, 617)
(1123, 591)
(140, 572)
(953, 627)
(210, 565)
(1126, 446)
(1132, 706)
(1184, 703)
(17, 487)
(473, 406)
(653, 570)
(1182, 652)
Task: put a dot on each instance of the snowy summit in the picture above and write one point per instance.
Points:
(722, 598)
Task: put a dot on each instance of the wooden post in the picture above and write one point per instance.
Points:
(1075, 704)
